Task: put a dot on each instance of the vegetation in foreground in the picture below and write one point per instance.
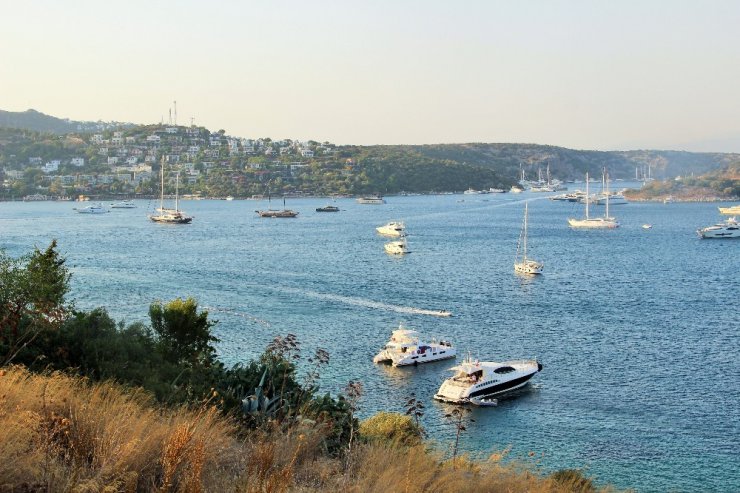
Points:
(90, 405)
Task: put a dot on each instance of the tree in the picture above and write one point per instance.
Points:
(184, 334)
(32, 299)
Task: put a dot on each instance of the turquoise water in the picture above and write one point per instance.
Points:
(637, 329)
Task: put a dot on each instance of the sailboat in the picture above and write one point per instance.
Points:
(274, 212)
(524, 265)
(170, 216)
(605, 222)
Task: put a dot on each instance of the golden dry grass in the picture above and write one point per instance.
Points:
(63, 434)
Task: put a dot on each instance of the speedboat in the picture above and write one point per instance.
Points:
(393, 228)
(730, 211)
(399, 247)
(328, 208)
(371, 199)
(476, 382)
(647, 226)
(125, 204)
(92, 209)
(725, 229)
(408, 347)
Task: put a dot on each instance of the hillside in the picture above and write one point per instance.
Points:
(59, 160)
(39, 122)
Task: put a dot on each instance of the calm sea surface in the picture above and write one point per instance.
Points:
(637, 329)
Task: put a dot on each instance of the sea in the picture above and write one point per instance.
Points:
(637, 329)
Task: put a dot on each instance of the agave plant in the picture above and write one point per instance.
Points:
(258, 404)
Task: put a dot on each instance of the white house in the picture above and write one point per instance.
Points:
(306, 153)
(51, 166)
(77, 161)
(171, 130)
(112, 160)
(154, 139)
(132, 160)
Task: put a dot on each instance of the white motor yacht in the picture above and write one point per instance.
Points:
(125, 204)
(92, 209)
(399, 247)
(408, 347)
(477, 382)
(616, 198)
(725, 229)
(393, 228)
(372, 199)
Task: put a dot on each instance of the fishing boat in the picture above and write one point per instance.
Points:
(605, 222)
(408, 347)
(523, 264)
(170, 216)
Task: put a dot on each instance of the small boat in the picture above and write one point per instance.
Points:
(471, 191)
(725, 229)
(442, 313)
(125, 204)
(730, 211)
(516, 189)
(284, 213)
(92, 209)
(616, 198)
(328, 208)
(647, 226)
(477, 382)
(229, 198)
(524, 265)
(399, 247)
(407, 347)
(393, 228)
(371, 199)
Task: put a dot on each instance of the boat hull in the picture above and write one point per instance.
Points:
(593, 223)
(528, 267)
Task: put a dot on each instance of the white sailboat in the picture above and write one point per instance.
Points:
(170, 216)
(524, 265)
(605, 222)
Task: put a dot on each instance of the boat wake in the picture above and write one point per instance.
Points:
(349, 300)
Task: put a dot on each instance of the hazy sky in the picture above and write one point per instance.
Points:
(580, 74)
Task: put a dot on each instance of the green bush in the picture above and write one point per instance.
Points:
(393, 428)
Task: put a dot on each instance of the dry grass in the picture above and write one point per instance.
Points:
(63, 434)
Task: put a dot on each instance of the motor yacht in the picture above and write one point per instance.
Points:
(407, 347)
(328, 208)
(92, 209)
(371, 199)
(729, 228)
(616, 198)
(730, 211)
(399, 247)
(476, 382)
(393, 228)
(125, 204)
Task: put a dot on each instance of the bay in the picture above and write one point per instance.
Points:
(637, 329)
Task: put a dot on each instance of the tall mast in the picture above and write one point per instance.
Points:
(177, 192)
(526, 213)
(606, 191)
(588, 197)
(161, 196)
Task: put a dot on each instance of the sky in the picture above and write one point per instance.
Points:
(591, 74)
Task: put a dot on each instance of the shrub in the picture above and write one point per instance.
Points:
(392, 428)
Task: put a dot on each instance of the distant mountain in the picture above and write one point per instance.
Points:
(533, 159)
(39, 122)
